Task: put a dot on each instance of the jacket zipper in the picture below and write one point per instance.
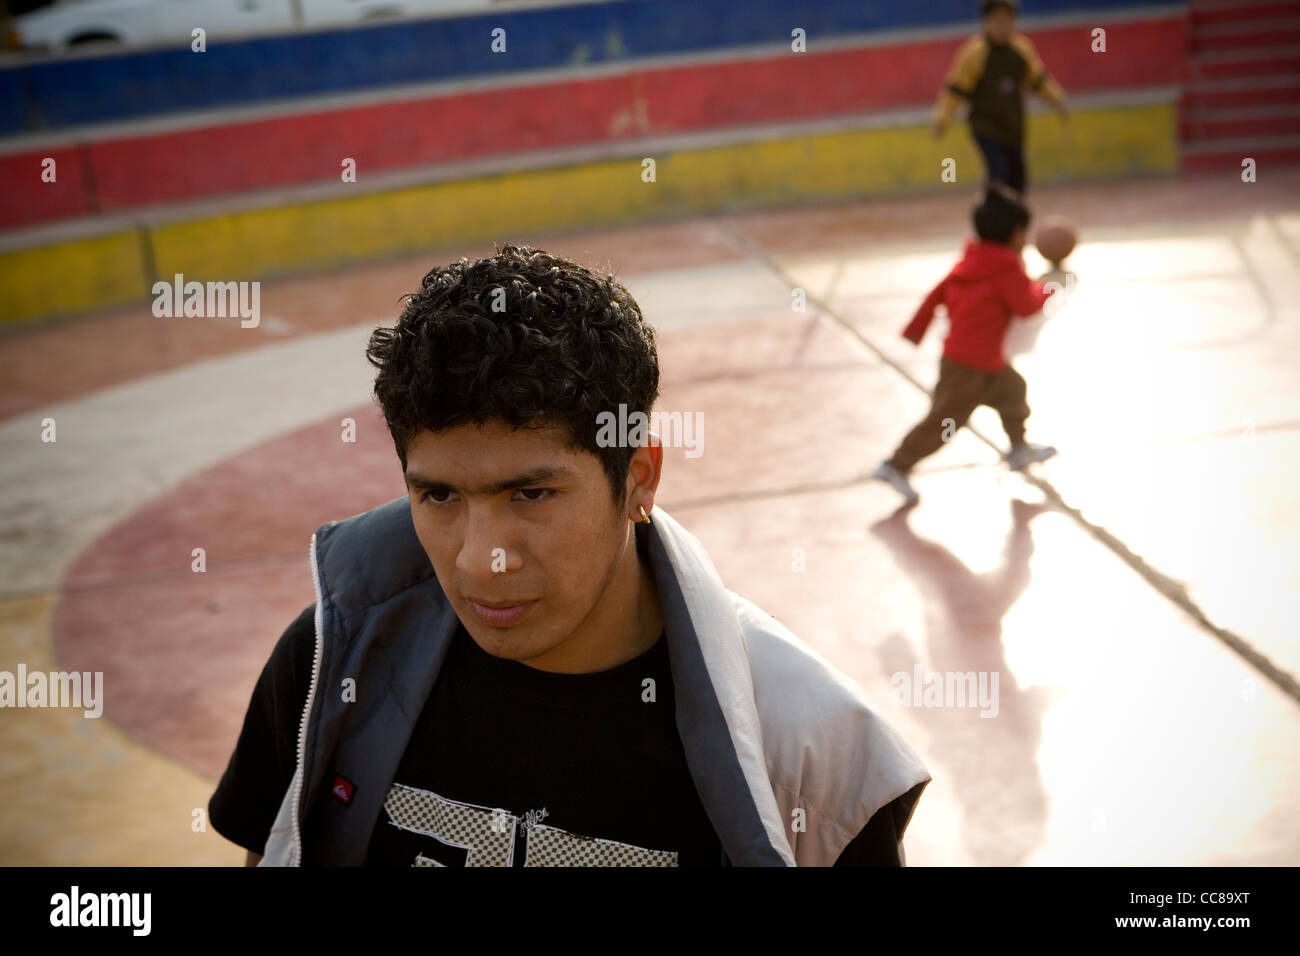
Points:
(295, 850)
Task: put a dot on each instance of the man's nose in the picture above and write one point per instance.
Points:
(488, 547)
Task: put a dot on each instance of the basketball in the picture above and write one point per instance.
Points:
(1055, 238)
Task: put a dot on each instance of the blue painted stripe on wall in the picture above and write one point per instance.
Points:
(62, 93)
(13, 102)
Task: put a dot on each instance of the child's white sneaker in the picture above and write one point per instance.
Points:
(890, 475)
(1025, 454)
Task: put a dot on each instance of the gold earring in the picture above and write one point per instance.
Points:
(644, 517)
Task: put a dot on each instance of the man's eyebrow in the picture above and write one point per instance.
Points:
(533, 476)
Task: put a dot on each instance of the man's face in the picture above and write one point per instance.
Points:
(999, 24)
(520, 528)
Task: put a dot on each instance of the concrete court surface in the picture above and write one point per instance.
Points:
(1137, 597)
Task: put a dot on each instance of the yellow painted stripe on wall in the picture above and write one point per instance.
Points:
(1103, 143)
(71, 277)
(304, 236)
(309, 236)
(321, 234)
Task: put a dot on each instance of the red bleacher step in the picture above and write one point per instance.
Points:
(1267, 152)
(1244, 123)
(1250, 36)
(1205, 14)
(1246, 92)
(1261, 61)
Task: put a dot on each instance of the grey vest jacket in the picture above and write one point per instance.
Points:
(788, 758)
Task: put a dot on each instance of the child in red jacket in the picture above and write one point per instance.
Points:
(982, 293)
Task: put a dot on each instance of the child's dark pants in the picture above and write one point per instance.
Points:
(1006, 164)
(960, 390)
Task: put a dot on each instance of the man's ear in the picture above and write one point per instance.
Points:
(643, 474)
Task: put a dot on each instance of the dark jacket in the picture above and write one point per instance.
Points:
(767, 725)
(993, 78)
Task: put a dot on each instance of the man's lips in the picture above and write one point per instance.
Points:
(497, 614)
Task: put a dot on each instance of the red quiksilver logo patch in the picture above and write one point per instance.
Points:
(342, 791)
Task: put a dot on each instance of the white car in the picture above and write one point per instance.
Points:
(170, 22)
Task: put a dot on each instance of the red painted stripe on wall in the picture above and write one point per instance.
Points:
(243, 156)
(26, 199)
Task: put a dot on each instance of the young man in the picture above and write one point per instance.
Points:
(524, 662)
(982, 294)
(991, 71)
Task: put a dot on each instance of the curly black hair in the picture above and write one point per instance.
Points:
(524, 337)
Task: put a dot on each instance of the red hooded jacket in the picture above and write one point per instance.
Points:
(982, 293)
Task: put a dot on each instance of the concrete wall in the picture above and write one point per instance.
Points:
(233, 196)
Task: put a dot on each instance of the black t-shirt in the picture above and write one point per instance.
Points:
(507, 766)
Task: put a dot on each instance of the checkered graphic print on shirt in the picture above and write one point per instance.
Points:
(489, 834)
(548, 846)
